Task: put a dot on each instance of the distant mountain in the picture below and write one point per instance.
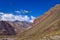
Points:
(13, 28)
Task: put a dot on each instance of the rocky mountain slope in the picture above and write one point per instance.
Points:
(13, 28)
(44, 26)
(53, 10)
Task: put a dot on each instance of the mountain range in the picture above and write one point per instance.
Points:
(13, 28)
(42, 28)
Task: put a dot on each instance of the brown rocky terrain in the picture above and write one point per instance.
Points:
(44, 26)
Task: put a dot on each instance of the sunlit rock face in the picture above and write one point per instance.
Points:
(13, 28)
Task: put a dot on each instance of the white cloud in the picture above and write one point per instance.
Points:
(32, 19)
(23, 11)
(1, 13)
(11, 17)
(26, 11)
(18, 11)
(26, 18)
(8, 17)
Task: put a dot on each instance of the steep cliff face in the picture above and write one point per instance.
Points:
(13, 28)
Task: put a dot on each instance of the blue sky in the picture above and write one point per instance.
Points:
(27, 7)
